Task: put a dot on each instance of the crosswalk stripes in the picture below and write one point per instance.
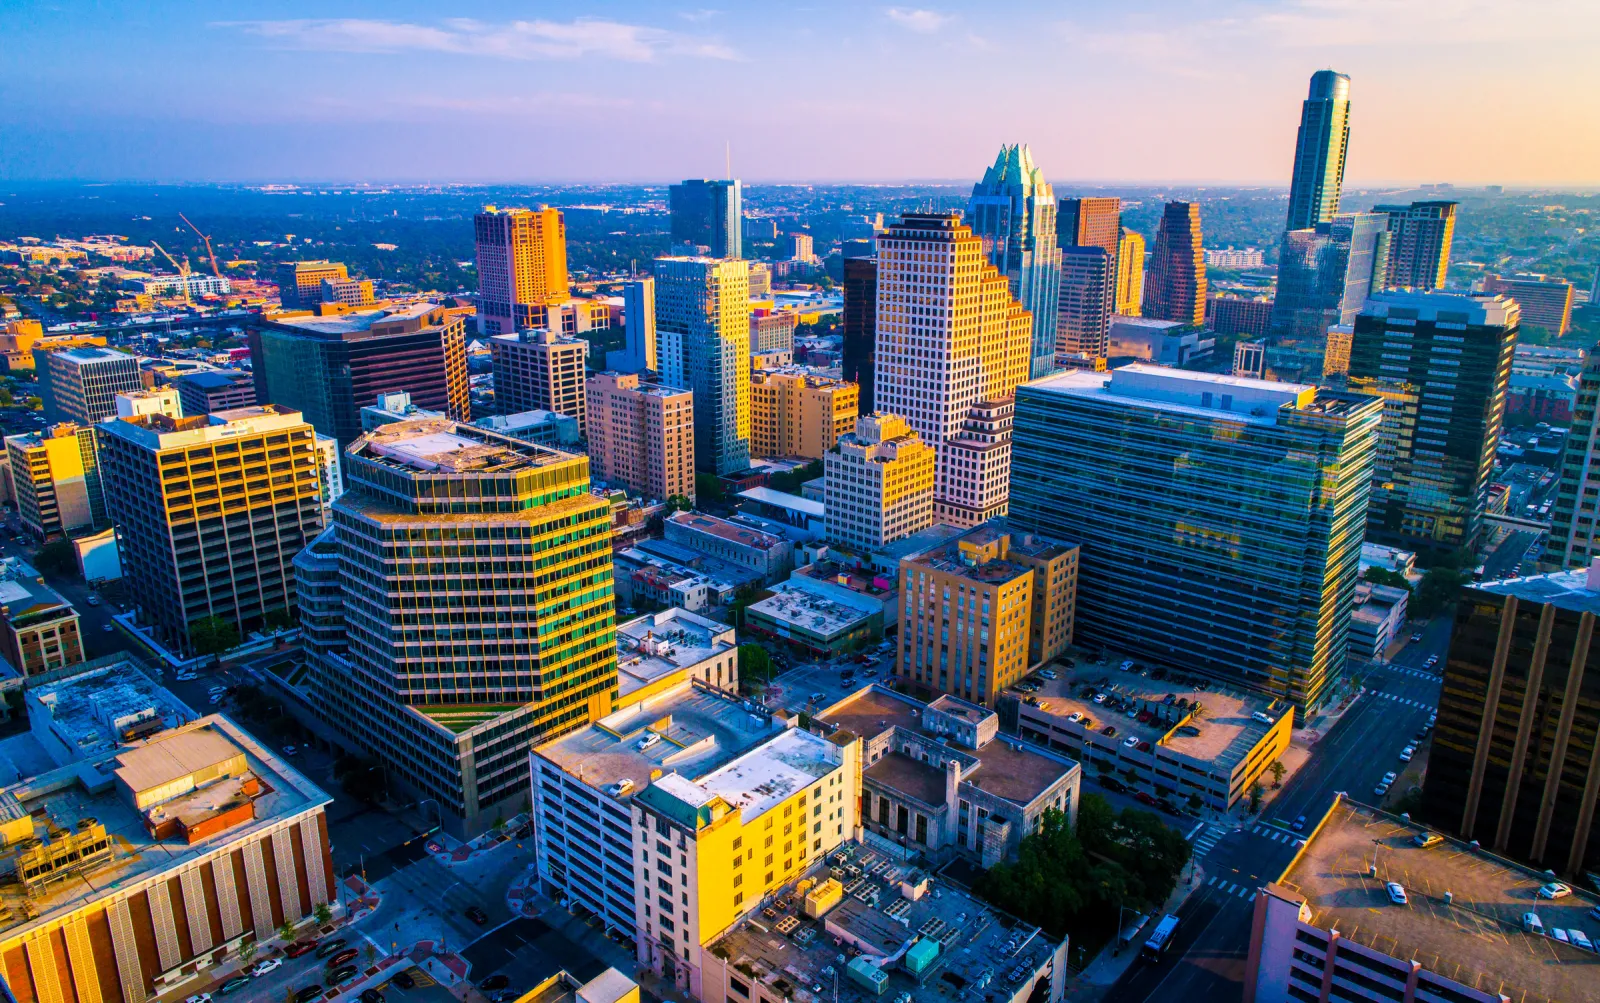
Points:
(1229, 888)
(1407, 701)
(1207, 839)
(1275, 834)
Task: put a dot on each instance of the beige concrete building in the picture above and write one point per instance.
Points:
(38, 628)
(213, 509)
(641, 435)
(538, 370)
(976, 476)
(793, 413)
(878, 484)
(300, 282)
(968, 625)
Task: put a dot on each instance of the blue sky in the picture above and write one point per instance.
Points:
(1465, 91)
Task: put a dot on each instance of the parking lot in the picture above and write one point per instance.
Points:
(811, 686)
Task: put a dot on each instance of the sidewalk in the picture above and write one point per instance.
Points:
(1108, 966)
(450, 851)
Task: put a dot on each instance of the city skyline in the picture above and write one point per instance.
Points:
(102, 98)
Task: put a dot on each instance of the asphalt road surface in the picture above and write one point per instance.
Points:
(1207, 960)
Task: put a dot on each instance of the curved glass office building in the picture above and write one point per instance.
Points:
(1014, 210)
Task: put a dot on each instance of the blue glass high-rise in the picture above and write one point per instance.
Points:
(1319, 151)
(1326, 272)
(1014, 210)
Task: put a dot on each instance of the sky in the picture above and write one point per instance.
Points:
(1130, 91)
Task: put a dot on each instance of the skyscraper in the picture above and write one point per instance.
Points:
(1444, 360)
(1177, 486)
(55, 475)
(537, 370)
(1545, 302)
(190, 553)
(455, 668)
(1089, 222)
(81, 384)
(1013, 211)
(1575, 516)
(859, 352)
(707, 213)
(1325, 273)
(1085, 305)
(1130, 273)
(950, 337)
(703, 312)
(794, 413)
(1319, 151)
(328, 368)
(1420, 235)
(641, 435)
(639, 332)
(300, 282)
(878, 484)
(522, 267)
(1175, 289)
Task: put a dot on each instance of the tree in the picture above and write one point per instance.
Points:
(322, 914)
(247, 950)
(1383, 576)
(212, 635)
(755, 665)
(1439, 589)
(709, 488)
(57, 558)
(1277, 769)
(33, 403)
(279, 618)
(6, 400)
(1256, 794)
(286, 931)
(680, 503)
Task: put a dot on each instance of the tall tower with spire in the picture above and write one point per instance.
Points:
(1013, 210)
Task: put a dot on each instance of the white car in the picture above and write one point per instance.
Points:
(261, 968)
(199, 998)
(1407, 753)
(1397, 892)
(1381, 789)
(1076, 715)
(1099, 698)
(1555, 890)
(1390, 777)
(1131, 742)
(1047, 673)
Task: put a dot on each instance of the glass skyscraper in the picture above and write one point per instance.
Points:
(1325, 274)
(1319, 151)
(707, 213)
(1220, 518)
(1013, 209)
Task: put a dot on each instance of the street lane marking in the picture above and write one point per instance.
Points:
(1212, 881)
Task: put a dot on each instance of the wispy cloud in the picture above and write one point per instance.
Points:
(702, 14)
(577, 39)
(925, 21)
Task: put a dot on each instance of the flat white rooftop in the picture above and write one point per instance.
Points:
(1211, 395)
(768, 775)
(1446, 307)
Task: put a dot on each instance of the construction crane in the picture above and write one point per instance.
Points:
(213, 254)
(183, 272)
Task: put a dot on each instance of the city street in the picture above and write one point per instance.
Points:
(1208, 958)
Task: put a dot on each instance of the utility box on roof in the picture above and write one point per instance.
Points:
(867, 975)
(922, 954)
(823, 897)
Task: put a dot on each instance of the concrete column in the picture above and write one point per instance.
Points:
(1580, 835)
(127, 952)
(85, 976)
(166, 928)
(311, 844)
(1327, 966)
(1530, 703)
(194, 905)
(227, 896)
(1491, 707)
(1558, 750)
(255, 873)
(288, 883)
(1411, 981)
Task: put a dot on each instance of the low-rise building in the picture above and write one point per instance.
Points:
(143, 868)
(667, 574)
(215, 390)
(659, 650)
(767, 555)
(1164, 342)
(862, 588)
(803, 518)
(610, 986)
(908, 936)
(939, 781)
(1472, 928)
(86, 711)
(584, 782)
(1376, 555)
(814, 624)
(722, 844)
(1379, 614)
(38, 627)
(1157, 731)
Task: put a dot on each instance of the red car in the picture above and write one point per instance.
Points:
(301, 947)
(342, 957)
(1144, 798)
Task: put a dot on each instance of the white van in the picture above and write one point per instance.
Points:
(1531, 923)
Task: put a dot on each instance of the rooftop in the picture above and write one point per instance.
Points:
(1006, 768)
(859, 580)
(1227, 728)
(799, 608)
(439, 445)
(388, 320)
(91, 353)
(1568, 590)
(655, 645)
(767, 775)
(1201, 395)
(964, 556)
(24, 597)
(1476, 939)
(1444, 307)
(725, 530)
(68, 803)
(215, 378)
(976, 945)
(698, 729)
(89, 710)
(785, 500)
(161, 431)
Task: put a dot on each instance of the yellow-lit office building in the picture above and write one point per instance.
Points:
(878, 485)
(56, 479)
(979, 607)
(707, 851)
(793, 413)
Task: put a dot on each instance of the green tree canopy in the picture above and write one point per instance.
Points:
(57, 558)
(213, 635)
(755, 665)
(1383, 576)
